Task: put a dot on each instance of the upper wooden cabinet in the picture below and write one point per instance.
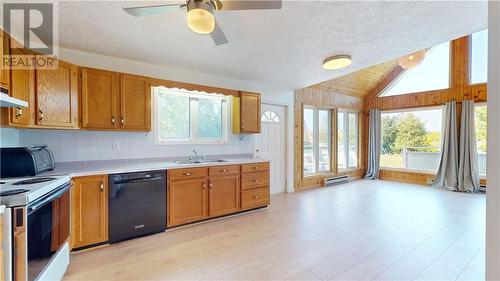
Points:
(89, 211)
(4, 53)
(99, 99)
(135, 103)
(246, 113)
(22, 85)
(112, 101)
(57, 96)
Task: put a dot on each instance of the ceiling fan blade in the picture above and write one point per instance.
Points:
(218, 36)
(251, 5)
(152, 10)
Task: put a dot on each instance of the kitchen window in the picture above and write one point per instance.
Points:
(190, 117)
(411, 139)
(347, 134)
(316, 140)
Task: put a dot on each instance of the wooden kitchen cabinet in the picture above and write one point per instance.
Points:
(22, 87)
(89, 211)
(246, 113)
(114, 101)
(99, 99)
(135, 103)
(4, 53)
(255, 185)
(187, 201)
(224, 194)
(57, 96)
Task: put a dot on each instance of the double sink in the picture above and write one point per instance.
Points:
(198, 161)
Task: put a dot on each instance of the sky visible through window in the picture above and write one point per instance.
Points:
(432, 73)
(479, 55)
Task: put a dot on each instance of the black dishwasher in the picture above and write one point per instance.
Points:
(137, 204)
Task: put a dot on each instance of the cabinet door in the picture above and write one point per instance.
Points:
(4, 71)
(250, 112)
(188, 201)
(99, 99)
(224, 194)
(22, 87)
(135, 103)
(89, 210)
(57, 96)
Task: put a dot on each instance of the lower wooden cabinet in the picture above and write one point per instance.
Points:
(89, 211)
(187, 200)
(224, 194)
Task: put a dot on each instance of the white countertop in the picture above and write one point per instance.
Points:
(88, 168)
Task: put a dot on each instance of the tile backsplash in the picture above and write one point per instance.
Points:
(69, 146)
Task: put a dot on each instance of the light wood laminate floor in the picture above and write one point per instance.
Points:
(362, 230)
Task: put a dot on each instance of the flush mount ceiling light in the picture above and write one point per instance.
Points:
(337, 62)
(200, 17)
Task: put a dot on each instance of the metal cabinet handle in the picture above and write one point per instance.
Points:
(211, 185)
(122, 121)
(255, 167)
(223, 171)
(242, 126)
(187, 174)
(255, 180)
(112, 120)
(102, 187)
(19, 112)
(255, 197)
(204, 186)
(40, 118)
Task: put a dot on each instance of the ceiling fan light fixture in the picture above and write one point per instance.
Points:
(337, 62)
(200, 17)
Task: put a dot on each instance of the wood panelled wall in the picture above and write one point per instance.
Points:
(460, 89)
(325, 98)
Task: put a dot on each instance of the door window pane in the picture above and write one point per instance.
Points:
(411, 139)
(479, 57)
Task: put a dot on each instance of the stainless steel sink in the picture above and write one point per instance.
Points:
(190, 162)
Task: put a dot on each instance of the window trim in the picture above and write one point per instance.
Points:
(346, 139)
(226, 113)
(315, 128)
(412, 109)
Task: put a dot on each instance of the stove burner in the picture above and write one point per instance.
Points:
(32, 181)
(2, 182)
(12, 192)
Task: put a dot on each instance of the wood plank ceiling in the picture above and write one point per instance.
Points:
(362, 82)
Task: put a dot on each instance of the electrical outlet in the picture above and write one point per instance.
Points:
(116, 146)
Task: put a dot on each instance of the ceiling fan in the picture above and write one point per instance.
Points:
(200, 13)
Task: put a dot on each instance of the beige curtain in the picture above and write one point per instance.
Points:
(447, 175)
(374, 144)
(468, 168)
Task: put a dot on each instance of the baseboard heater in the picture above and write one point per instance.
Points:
(333, 180)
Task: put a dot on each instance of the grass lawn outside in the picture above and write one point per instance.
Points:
(391, 160)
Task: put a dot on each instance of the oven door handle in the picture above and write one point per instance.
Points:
(48, 198)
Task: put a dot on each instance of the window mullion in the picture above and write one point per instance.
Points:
(316, 139)
(193, 114)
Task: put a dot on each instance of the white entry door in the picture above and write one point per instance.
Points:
(271, 144)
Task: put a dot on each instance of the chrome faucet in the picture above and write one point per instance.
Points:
(197, 158)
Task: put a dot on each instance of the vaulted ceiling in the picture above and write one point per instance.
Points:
(282, 47)
(360, 83)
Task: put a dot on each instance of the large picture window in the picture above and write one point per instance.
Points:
(316, 140)
(432, 73)
(479, 57)
(347, 139)
(411, 139)
(190, 117)
(482, 137)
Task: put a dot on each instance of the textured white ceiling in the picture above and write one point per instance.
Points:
(282, 47)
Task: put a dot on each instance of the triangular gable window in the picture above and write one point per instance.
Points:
(432, 73)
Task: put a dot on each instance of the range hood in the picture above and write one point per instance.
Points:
(8, 101)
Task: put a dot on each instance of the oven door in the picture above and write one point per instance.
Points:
(48, 229)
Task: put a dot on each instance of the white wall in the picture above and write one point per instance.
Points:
(9, 137)
(493, 191)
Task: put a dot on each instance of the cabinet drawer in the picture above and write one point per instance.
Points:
(224, 170)
(255, 167)
(255, 198)
(187, 173)
(253, 180)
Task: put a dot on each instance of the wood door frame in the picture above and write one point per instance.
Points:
(286, 145)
